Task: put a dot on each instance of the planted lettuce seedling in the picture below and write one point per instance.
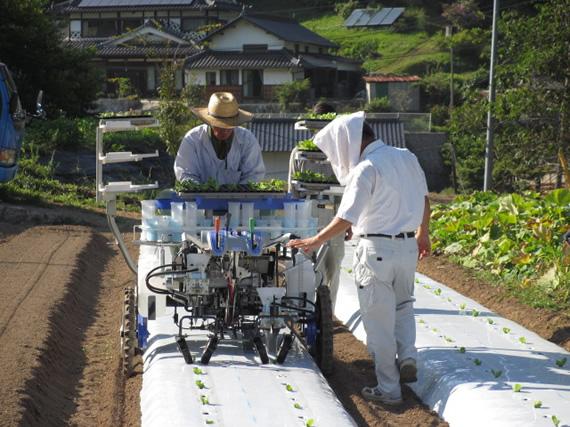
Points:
(461, 350)
(474, 313)
(555, 420)
(204, 399)
(209, 421)
(462, 306)
(490, 321)
(310, 422)
(297, 406)
(197, 371)
(517, 388)
(561, 362)
(448, 339)
(477, 362)
(537, 404)
(289, 387)
(200, 384)
(496, 374)
(522, 340)
(507, 330)
(437, 291)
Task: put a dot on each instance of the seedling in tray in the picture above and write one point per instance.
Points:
(211, 186)
(307, 145)
(314, 177)
(561, 362)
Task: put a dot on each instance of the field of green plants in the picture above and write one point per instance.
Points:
(513, 240)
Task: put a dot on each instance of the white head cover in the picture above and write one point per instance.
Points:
(340, 140)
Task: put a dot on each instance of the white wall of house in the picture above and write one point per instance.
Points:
(277, 77)
(276, 164)
(235, 37)
(197, 77)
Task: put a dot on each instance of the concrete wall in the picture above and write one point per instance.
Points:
(427, 148)
(276, 164)
(277, 77)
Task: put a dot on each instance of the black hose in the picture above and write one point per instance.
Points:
(150, 275)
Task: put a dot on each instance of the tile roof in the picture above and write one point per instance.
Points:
(100, 5)
(210, 59)
(104, 49)
(384, 78)
(279, 134)
(285, 28)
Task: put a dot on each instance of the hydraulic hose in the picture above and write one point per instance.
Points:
(152, 274)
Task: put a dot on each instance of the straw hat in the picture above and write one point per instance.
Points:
(222, 111)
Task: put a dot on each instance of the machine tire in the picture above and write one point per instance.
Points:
(323, 348)
(261, 350)
(128, 331)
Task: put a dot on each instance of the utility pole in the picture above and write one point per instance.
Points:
(449, 33)
(488, 180)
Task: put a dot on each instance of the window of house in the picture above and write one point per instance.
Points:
(99, 28)
(253, 83)
(229, 77)
(131, 23)
(192, 23)
(254, 47)
(210, 78)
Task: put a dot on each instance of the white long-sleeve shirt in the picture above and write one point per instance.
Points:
(197, 160)
(385, 193)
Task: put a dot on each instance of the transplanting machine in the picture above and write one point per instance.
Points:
(216, 261)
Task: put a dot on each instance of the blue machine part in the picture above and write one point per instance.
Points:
(142, 332)
(311, 332)
(269, 203)
(233, 241)
(10, 130)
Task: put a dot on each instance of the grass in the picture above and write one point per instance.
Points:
(398, 52)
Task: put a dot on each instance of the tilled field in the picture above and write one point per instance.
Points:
(60, 311)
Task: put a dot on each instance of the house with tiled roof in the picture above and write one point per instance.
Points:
(253, 54)
(131, 38)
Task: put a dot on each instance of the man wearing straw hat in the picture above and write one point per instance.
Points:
(220, 149)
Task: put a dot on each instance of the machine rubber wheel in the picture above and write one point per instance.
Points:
(183, 347)
(261, 350)
(323, 348)
(284, 349)
(128, 331)
(210, 348)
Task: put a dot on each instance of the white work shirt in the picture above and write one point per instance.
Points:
(197, 160)
(385, 193)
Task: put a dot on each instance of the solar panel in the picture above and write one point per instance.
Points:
(353, 18)
(392, 16)
(379, 16)
(364, 19)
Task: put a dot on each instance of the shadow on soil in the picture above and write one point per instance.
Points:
(51, 392)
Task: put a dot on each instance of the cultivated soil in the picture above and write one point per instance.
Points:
(62, 282)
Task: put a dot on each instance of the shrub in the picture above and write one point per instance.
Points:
(61, 133)
(295, 91)
(413, 19)
(122, 87)
(378, 105)
(362, 50)
(439, 114)
(344, 9)
(463, 14)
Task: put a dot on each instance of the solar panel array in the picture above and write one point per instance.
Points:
(373, 18)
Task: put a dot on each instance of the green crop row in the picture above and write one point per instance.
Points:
(514, 239)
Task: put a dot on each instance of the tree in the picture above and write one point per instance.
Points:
(31, 45)
(463, 14)
(295, 91)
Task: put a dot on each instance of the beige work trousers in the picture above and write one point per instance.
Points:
(384, 272)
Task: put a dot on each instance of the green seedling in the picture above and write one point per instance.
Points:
(561, 362)
(474, 313)
(297, 406)
(448, 339)
(517, 388)
(496, 374)
(422, 321)
(448, 299)
(507, 330)
(461, 350)
(289, 387)
(555, 420)
(209, 421)
(310, 422)
(462, 306)
(490, 321)
(204, 399)
(427, 286)
(417, 280)
(522, 340)
(197, 371)
(200, 384)
(477, 362)
(349, 270)
(434, 330)
(437, 291)
(537, 404)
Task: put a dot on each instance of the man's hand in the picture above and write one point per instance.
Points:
(348, 234)
(424, 245)
(308, 244)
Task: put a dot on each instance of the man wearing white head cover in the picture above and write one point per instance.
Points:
(385, 201)
(220, 149)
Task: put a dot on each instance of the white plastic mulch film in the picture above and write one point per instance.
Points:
(475, 367)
